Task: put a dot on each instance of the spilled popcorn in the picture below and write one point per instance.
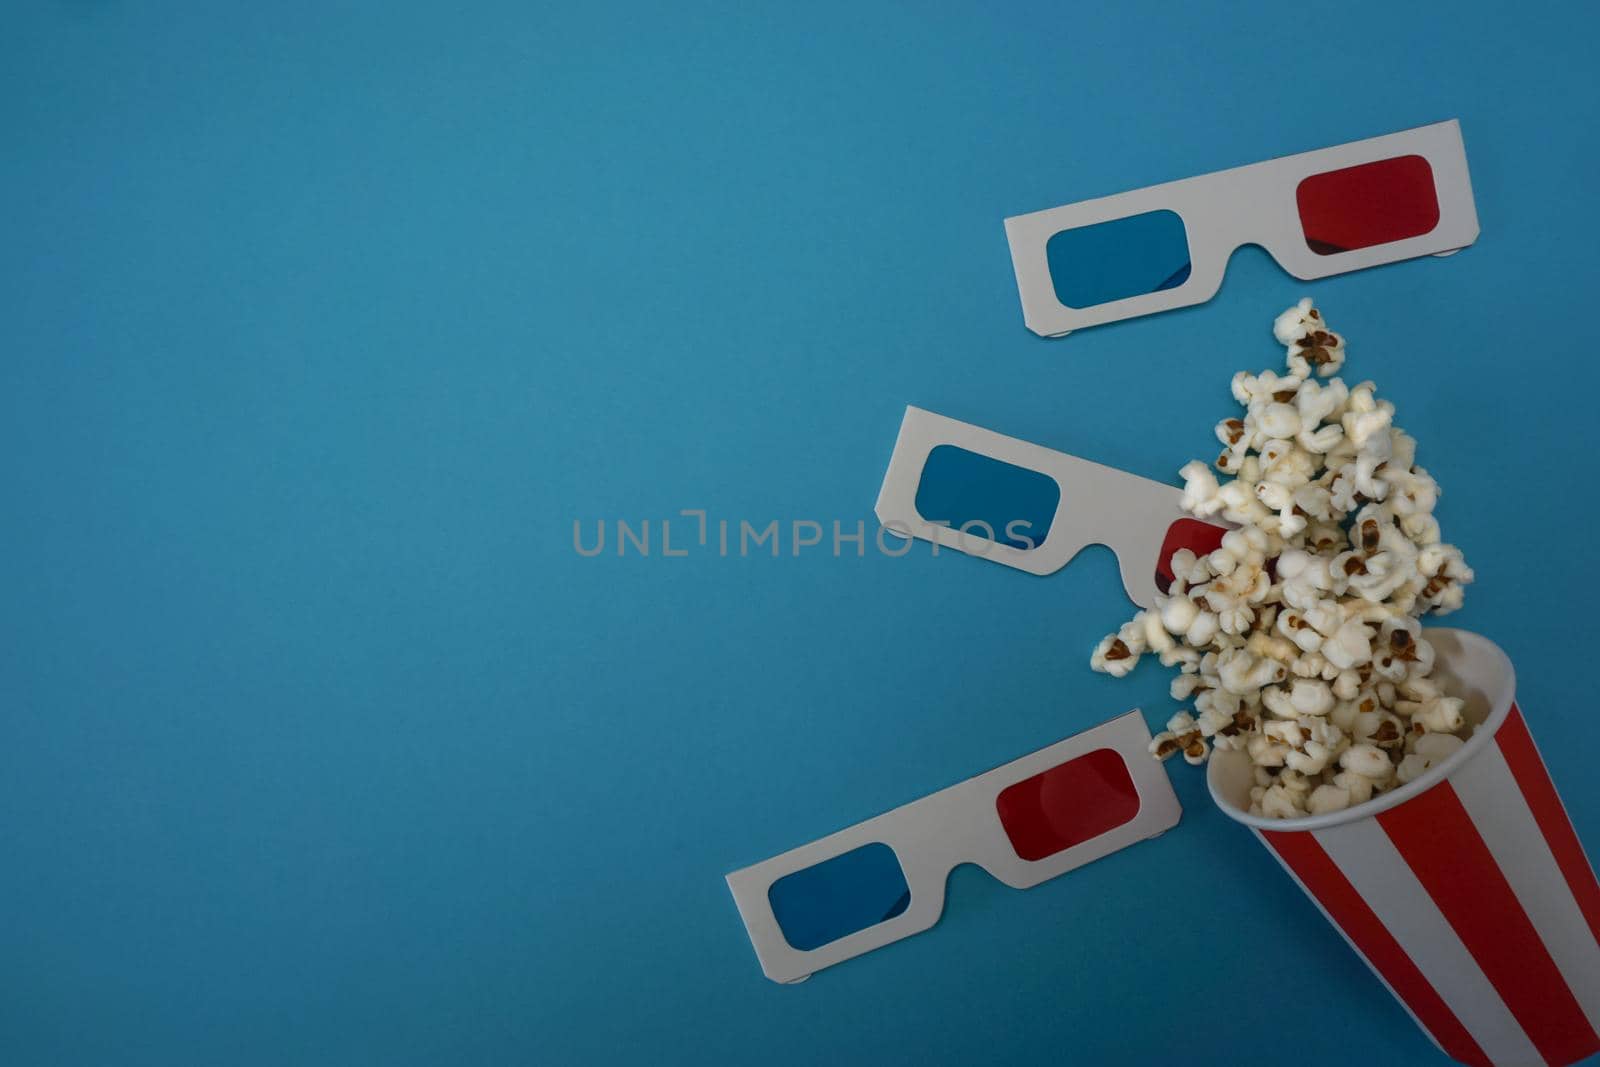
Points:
(1298, 640)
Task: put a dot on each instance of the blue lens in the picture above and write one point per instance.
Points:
(837, 897)
(1014, 505)
(1118, 259)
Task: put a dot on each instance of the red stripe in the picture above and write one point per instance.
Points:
(1516, 744)
(1435, 836)
(1322, 878)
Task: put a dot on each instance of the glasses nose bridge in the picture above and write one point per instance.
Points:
(1137, 560)
(1247, 205)
(988, 846)
(958, 826)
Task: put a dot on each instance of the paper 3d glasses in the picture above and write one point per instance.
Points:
(1026, 822)
(1030, 507)
(1318, 213)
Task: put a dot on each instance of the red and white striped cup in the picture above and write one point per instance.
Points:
(1466, 891)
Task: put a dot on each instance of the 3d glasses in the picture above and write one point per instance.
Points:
(1026, 822)
(1317, 213)
(1031, 507)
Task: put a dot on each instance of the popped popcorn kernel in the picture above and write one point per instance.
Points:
(1299, 638)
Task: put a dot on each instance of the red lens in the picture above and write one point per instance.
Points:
(1068, 805)
(1372, 204)
(1198, 537)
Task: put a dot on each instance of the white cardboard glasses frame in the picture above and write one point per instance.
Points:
(1253, 204)
(1098, 504)
(961, 824)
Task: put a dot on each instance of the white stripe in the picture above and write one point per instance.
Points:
(1498, 809)
(1379, 975)
(1366, 856)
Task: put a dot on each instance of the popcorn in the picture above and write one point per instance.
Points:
(1114, 657)
(1436, 747)
(1295, 323)
(1349, 646)
(1441, 715)
(1184, 618)
(1427, 751)
(1200, 489)
(1312, 759)
(1276, 700)
(1279, 420)
(1213, 721)
(1423, 529)
(1154, 636)
(1265, 752)
(1316, 402)
(1326, 798)
(1368, 761)
(1311, 665)
(1279, 803)
(1266, 644)
(1239, 671)
(1311, 696)
(1168, 743)
(1298, 638)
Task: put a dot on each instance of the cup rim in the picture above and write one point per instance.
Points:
(1473, 645)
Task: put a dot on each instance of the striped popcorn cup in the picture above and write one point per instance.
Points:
(1466, 891)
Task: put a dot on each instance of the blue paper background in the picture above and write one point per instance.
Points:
(320, 324)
